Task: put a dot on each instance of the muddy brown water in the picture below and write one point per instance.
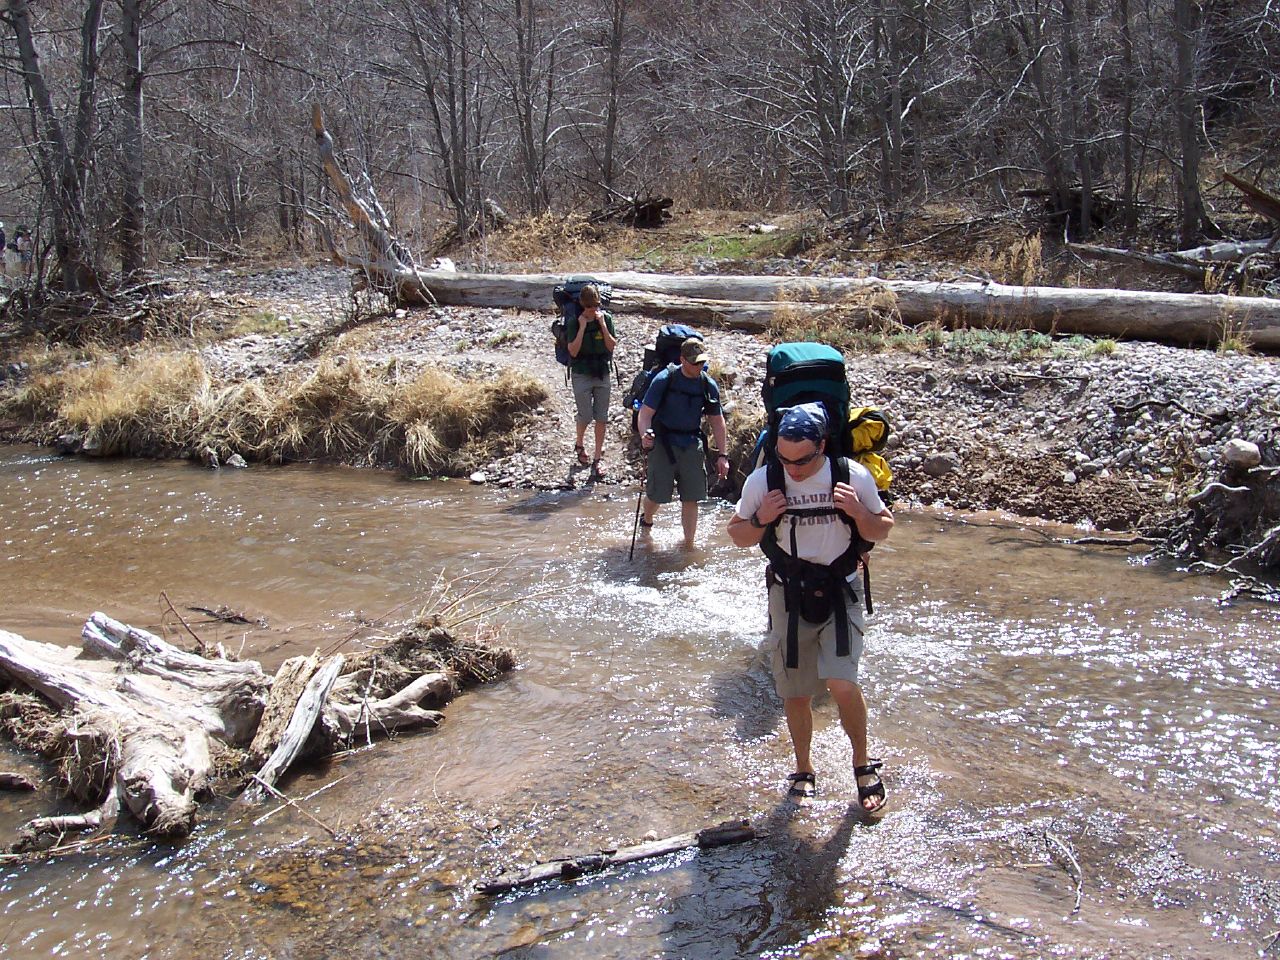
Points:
(1058, 722)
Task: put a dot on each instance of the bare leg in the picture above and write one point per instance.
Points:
(689, 520)
(799, 714)
(647, 510)
(600, 428)
(853, 717)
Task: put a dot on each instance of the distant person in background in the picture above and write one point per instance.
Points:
(591, 343)
(22, 243)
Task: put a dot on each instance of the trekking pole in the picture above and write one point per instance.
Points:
(635, 527)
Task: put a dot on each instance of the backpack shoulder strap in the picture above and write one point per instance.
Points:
(840, 470)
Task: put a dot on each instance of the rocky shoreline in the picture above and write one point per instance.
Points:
(1112, 439)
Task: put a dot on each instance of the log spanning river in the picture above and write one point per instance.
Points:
(1080, 749)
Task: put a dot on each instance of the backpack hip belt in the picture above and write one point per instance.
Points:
(816, 591)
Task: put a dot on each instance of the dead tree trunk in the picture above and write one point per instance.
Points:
(752, 303)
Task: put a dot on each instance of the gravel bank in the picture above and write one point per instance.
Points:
(1113, 440)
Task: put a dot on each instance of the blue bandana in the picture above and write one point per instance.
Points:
(806, 421)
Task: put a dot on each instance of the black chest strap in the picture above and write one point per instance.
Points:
(796, 575)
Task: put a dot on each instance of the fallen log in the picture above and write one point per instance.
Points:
(572, 867)
(753, 302)
(1155, 261)
(1229, 252)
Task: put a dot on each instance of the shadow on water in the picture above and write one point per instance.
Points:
(747, 698)
(545, 503)
(806, 875)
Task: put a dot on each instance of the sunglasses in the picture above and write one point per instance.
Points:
(801, 461)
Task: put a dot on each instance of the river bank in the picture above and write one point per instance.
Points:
(1107, 435)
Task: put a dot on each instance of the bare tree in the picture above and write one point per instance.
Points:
(64, 161)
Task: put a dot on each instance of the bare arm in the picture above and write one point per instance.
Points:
(745, 534)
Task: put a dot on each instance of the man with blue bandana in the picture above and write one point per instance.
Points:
(813, 584)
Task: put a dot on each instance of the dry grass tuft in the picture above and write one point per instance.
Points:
(866, 319)
(529, 239)
(166, 404)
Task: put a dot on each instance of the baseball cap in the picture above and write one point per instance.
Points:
(693, 351)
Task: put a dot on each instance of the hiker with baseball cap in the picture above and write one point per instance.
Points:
(815, 522)
(670, 425)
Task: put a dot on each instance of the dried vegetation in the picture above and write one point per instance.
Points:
(162, 402)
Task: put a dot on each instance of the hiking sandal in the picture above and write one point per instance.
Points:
(583, 460)
(598, 469)
(804, 786)
(870, 791)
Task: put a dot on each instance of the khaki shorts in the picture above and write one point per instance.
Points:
(689, 473)
(817, 647)
(591, 395)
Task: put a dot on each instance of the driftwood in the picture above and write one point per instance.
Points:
(144, 727)
(572, 867)
(635, 211)
(302, 719)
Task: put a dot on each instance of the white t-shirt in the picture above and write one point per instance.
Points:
(818, 539)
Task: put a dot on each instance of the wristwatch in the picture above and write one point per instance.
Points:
(754, 521)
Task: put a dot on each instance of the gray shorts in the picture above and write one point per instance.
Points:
(591, 394)
(689, 472)
(817, 646)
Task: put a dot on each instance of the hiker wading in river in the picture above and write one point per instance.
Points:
(670, 425)
(815, 533)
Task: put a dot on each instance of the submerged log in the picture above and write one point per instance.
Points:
(15, 781)
(572, 867)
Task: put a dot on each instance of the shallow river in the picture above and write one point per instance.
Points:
(1059, 723)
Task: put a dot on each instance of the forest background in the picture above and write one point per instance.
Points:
(141, 131)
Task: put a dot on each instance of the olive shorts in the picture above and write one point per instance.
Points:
(689, 473)
(591, 394)
(817, 647)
